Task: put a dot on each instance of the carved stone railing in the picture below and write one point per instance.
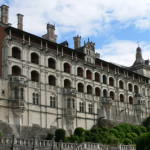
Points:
(69, 91)
(19, 80)
(37, 144)
(70, 112)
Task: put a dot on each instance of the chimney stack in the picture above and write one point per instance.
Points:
(20, 21)
(4, 14)
(77, 42)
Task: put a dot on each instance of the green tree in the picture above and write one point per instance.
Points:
(60, 135)
(49, 136)
(73, 138)
(79, 131)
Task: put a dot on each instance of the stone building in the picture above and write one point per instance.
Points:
(50, 85)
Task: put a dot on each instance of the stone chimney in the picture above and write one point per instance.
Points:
(77, 42)
(20, 21)
(4, 14)
(51, 32)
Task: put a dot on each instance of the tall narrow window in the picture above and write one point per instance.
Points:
(136, 89)
(35, 98)
(52, 102)
(80, 87)
(88, 74)
(52, 80)
(130, 87)
(111, 81)
(112, 95)
(97, 77)
(73, 103)
(35, 76)
(34, 58)
(51, 63)
(80, 72)
(121, 98)
(97, 91)
(104, 93)
(121, 86)
(104, 79)
(81, 106)
(89, 89)
(67, 68)
(67, 83)
(16, 71)
(22, 93)
(69, 103)
(131, 100)
(90, 108)
(16, 93)
(16, 53)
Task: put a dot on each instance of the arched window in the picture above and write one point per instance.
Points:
(80, 72)
(52, 102)
(136, 89)
(80, 87)
(51, 63)
(69, 103)
(131, 100)
(97, 91)
(88, 74)
(35, 76)
(16, 53)
(111, 81)
(81, 106)
(16, 71)
(67, 83)
(66, 68)
(89, 89)
(130, 87)
(104, 93)
(97, 77)
(34, 58)
(52, 80)
(121, 98)
(112, 95)
(121, 86)
(104, 79)
(35, 98)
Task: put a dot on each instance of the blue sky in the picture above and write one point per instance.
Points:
(114, 25)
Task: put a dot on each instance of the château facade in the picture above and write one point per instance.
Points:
(53, 86)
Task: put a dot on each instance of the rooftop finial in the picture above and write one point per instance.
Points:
(138, 43)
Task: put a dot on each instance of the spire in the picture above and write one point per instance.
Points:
(139, 58)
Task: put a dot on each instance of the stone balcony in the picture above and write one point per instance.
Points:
(69, 91)
(70, 112)
(107, 101)
(18, 80)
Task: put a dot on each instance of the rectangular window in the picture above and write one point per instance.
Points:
(3, 92)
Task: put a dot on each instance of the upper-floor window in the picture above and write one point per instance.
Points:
(34, 58)
(111, 81)
(130, 87)
(70, 103)
(97, 77)
(22, 93)
(16, 90)
(18, 93)
(121, 98)
(104, 93)
(112, 95)
(16, 53)
(121, 85)
(90, 106)
(67, 68)
(81, 106)
(104, 79)
(35, 98)
(89, 89)
(136, 89)
(97, 91)
(16, 71)
(80, 87)
(131, 100)
(52, 102)
(80, 72)
(88, 74)
(35, 76)
(67, 83)
(52, 80)
(51, 63)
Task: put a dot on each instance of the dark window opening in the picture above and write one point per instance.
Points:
(111, 81)
(51, 63)
(112, 95)
(16, 71)
(130, 87)
(67, 83)
(104, 79)
(66, 68)
(136, 90)
(97, 91)
(52, 80)
(34, 76)
(80, 72)
(121, 98)
(131, 100)
(80, 87)
(88, 74)
(121, 84)
(104, 93)
(34, 58)
(89, 89)
(97, 77)
(16, 53)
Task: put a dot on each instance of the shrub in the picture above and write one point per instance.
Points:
(79, 131)
(87, 138)
(146, 122)
(143, 129)
(114, 131)
(60, 135)
(95, 138)
(105, 129)
(127, 141)
(73, 138)
(94, 130)
(49, 136)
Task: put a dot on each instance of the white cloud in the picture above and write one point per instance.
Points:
(123, 52)
(84, 17)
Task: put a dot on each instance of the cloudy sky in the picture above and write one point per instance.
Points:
(114, 25)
